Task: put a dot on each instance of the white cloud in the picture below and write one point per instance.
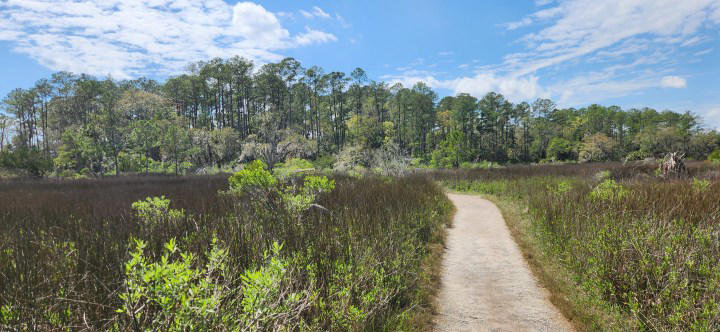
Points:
(703, 52)
(710, 115)
(342, 21)
(445, 53)
(716, 14)
(676, 82)
(315, 12)
(311, 36)
(307, 14)
(577, 31)
(320, 13)
(610, 48)
(141, 37)
(514, 88)
(518, 24)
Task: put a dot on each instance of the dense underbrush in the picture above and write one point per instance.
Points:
(647, 246)
(290, 254)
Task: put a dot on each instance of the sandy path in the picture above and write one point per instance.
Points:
(486, 284)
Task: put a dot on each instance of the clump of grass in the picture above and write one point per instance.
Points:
(646, 246)
(68, 250)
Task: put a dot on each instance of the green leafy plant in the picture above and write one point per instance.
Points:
(609, 190)
(714, 156)
(156, 210)
(293, 166)
(174, 293)
(260, 183)
(7, 316)
(269, 302)
(700, 186)
(602, 175)
(254, 176)
(177, 293)
(300, 198)
(561, 187)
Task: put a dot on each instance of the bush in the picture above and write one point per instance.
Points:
(700, 186)
(293, 166)
(173, 293)
(156, 210)
(714, 156)
(637, 155)
(479, 165)
(254, 176)
(609, 190)
(178, 295)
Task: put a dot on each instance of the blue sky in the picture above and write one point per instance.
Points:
(631, 53)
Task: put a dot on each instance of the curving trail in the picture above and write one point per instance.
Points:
(486, 285)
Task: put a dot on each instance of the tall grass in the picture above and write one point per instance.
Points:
(648, 246)
(64, 247)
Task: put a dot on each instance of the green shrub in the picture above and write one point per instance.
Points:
(700, 186)
(714, 156)
(293, 166)
(609, 190)
(269, 302)
(478, 165)
(602, 175)
(560, 188)
(637, 155)
(156, 210)
(174, 293)
(254, 176)
(313, 185)
(324, 162)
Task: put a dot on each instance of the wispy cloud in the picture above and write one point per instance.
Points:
(315, 12)
(141, 37)
(703, 52)
(618, 48)
(342, 21)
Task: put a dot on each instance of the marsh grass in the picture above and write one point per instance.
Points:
(64, 246)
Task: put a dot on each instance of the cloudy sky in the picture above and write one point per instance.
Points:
(659, 53)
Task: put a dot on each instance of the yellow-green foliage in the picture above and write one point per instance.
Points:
(700, 185)
(155, 210)
(317, 184)
(174, 293)
(293, 166)
(296, 198)
(254, 175)
(177, 293)
(714, 156)
(609, 190)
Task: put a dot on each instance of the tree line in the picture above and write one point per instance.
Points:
(226, 111)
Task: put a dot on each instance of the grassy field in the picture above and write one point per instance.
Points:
(75, 254)
(619, 242)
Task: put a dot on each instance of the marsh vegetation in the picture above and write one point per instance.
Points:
(635, 243)
(188, 253)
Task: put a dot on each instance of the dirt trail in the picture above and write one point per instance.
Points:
(486, 284)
